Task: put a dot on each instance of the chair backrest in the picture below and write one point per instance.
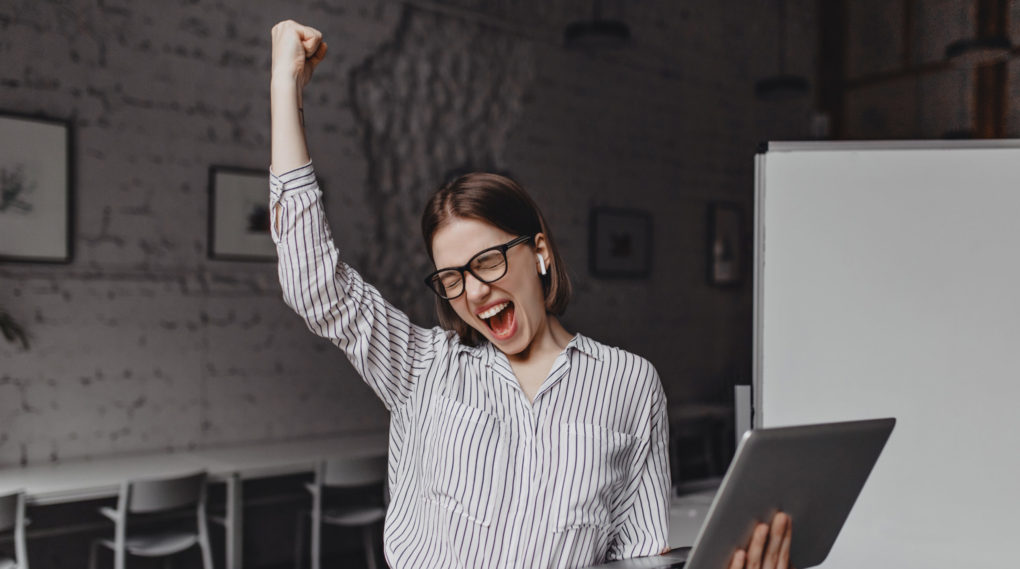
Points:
(9, 506)
(350, 472)
(158, 495)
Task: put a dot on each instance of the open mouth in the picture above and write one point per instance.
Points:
(500, 319)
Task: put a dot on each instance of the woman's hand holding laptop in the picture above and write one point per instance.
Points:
(769, 547)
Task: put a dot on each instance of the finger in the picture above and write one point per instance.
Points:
(738, 559)
(311, 39)
(757, 546)
(784, 549)
(776, 533)
(289, 53)
(288, 29)
(319, 54)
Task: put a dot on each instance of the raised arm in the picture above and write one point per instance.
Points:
(334, 301)
(297, 50)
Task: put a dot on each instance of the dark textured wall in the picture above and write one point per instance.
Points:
(442, 96)
(144, 343)
(900, 83)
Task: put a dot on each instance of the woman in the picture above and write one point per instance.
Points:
(513, 443)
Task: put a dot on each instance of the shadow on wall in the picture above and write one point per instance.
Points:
(442, 96)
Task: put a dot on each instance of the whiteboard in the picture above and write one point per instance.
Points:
(887, 283)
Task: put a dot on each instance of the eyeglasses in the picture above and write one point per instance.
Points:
(488, 265)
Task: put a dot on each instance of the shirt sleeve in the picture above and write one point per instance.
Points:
(641, 523)
(385, 348)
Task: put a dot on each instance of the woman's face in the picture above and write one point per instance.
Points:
(509, 311)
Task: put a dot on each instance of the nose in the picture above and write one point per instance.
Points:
(474, 289)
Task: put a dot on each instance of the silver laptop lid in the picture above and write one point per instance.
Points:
(814, 473)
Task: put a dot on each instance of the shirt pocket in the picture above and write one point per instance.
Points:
(592, 467)
(467, 450)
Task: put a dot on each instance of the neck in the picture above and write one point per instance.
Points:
(551, 339)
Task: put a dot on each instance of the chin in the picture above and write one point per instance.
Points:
(511, 349)
(514, 344)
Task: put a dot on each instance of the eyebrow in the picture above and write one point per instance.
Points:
(475, 254)
(515, 241)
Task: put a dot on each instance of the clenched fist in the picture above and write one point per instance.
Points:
(297, 50)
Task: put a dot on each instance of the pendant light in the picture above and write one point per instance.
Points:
(596, 33)
(991, 44)
(783, 85)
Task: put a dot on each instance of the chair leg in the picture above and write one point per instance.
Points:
(299, 539)
(20, 548)
(202, 524)
(93, 555)
(316, 543)
(203, 543)
(367, 536)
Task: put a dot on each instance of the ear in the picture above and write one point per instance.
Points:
(542, 248)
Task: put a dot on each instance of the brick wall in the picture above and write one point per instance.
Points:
(144, 343)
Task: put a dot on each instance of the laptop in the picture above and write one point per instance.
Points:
(814, 473)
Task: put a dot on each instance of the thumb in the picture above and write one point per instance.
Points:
(318, 54)
(311, 44)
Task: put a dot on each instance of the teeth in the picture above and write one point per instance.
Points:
(493, 311)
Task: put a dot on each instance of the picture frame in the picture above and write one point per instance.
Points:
(36, 189)
(620, 243)
(725, 244)
(239, 221)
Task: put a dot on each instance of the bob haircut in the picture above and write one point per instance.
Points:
(501, 202)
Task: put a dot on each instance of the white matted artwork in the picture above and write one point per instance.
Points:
(35, 189)
(239, 215)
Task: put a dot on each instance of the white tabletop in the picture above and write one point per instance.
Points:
(87, 479)
(288, 457)
(73, 480)
(687, 513)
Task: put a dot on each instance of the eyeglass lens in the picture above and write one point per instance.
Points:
(487, 267)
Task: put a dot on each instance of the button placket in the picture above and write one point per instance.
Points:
(536, 443)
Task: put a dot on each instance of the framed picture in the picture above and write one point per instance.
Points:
(620, 243)
(35, 189)
(239, 215)
(725, 244)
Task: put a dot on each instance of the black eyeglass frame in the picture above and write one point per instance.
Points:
(467, 268)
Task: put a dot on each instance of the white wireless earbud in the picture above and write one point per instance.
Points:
(541, 264)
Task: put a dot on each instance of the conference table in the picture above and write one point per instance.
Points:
(101, 477)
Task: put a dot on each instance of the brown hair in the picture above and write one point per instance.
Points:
(502, 202)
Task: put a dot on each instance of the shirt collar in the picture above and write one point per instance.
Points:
(585, 345)
(473, 351)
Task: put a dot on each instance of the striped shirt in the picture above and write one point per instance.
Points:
(479, 476)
